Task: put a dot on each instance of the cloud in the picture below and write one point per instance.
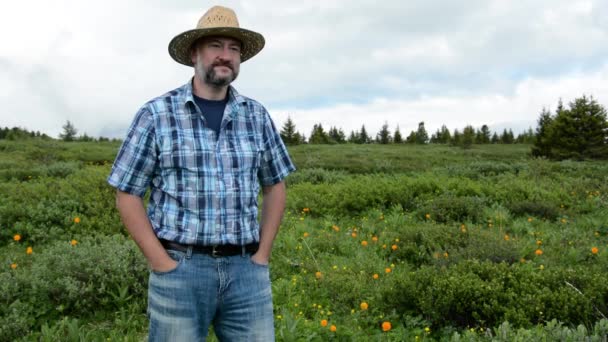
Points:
(331, 61)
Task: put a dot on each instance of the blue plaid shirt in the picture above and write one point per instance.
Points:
(204, 188)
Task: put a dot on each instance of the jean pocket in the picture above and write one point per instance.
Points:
(175, 255)
(257, 264)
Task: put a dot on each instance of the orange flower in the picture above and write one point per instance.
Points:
(76, 219)
(539, 252)
(375, 276)
(29, 251)
(594, 250)
(384, 246)
(324, 323)
(364, 243)
(318, 275)
(13, 265)
(305, 234)
(73, 242)
(306, 210)
(17, 237)
(386, 326)
(394, 247)
(364, 306)
(353, 234)
(388, 270)
(336, 228)
(507, 237)
(375, 238)
(332, 328)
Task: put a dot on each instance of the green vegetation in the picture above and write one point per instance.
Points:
(443, 243)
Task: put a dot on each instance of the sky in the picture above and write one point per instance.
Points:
(334, 62)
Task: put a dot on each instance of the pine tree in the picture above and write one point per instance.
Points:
(363, 136)
(495, 139)
(468, 137)
(69, 132)
(384, 136)
(422, 137)
(485, 135)
(581, 131)
(397, 138)
(411, 139)
(288, 133)
(456, 138)
(318, 135)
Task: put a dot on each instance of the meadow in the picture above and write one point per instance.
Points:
(378, 243)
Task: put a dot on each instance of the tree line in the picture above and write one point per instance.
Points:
(69, 133)
(465, 138)
(577, 132)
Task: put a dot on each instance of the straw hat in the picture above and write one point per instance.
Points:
(217, 21)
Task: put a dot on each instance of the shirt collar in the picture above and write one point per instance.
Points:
(234, 98)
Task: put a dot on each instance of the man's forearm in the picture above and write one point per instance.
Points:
(272, 212)
(136, 221)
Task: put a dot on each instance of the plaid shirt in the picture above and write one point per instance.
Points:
(204, 188)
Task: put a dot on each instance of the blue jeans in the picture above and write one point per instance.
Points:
(232, 293)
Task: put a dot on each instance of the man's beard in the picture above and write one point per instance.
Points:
(209, 76)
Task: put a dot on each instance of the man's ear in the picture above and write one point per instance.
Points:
(193, 54)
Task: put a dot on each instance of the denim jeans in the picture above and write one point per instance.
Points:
(231, 293)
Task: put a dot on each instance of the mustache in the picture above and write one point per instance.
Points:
(222, 63)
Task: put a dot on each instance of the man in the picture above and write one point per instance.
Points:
(203, 150)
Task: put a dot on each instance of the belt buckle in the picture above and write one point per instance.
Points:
(214, 251)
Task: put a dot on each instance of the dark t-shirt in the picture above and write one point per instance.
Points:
(213, 111)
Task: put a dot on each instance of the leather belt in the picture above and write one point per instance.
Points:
(214, 251)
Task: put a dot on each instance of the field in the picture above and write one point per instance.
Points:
(378, 243)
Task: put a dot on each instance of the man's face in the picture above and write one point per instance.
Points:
(217, 60)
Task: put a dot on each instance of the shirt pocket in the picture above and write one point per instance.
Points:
(178, 153)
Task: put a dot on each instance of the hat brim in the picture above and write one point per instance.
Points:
(179, 47)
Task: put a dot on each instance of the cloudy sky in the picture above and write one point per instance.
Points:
(335, 62)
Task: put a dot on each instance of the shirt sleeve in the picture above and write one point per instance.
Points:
(275, 164)
(136, 161)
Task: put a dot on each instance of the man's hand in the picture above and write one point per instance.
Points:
(165, 266)
(259, 259)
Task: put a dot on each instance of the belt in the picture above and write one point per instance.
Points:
(214, 251)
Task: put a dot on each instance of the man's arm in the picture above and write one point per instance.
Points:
(272, 212)
(134, 217)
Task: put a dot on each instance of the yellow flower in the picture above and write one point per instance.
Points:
(506, 237)
(17, 237)
(594, 250)
(364, 243)
(374, 238)
(324, 323)
(305, 234)
(394, 247)
(375, 276)
(539, 242)
(332, 328)
(353, 234)
(76, 219)
(306, 210)
(318, 275)
(364, 306)
(530, 219)
(73, 242)
(427, 216)
(336, 228)
(427, 330)
(13, 265)
(386, 326)
(539, 252)
(388, 270)
(29, 251)
(445, 254)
